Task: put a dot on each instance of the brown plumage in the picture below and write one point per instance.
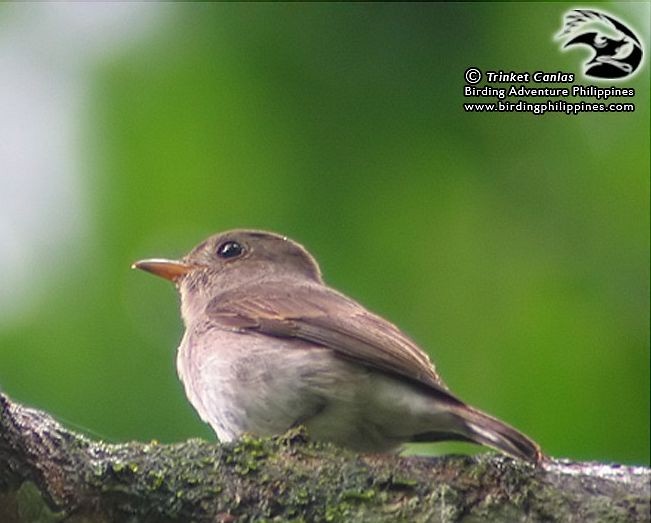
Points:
(269, 345)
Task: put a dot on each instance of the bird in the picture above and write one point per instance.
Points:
(614, 57)
(269, 346)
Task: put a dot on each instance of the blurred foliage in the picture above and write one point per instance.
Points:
(513, 247)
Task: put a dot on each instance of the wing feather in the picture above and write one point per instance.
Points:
(320, 315)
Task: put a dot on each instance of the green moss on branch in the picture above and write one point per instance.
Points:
(48, 474)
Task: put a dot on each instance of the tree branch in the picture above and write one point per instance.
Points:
(49, 474)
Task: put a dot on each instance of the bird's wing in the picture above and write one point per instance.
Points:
(317, 314)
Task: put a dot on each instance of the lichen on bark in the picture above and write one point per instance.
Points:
(49, 474)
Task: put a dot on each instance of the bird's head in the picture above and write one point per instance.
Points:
(230, 259)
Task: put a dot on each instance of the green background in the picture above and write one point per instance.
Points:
(514, 248)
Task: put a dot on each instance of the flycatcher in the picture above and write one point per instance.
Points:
(268, 346)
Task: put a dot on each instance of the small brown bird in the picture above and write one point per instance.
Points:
(268, 346)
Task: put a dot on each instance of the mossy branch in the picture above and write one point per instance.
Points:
(48, 474)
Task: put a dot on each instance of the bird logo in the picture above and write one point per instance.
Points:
(617, 51)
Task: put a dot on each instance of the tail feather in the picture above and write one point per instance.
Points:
(477, 427)
(486, 430)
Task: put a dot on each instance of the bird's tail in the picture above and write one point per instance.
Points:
(470, 424)
(486, 430)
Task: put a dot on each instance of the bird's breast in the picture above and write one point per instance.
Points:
(248, 382)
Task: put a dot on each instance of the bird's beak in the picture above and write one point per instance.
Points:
(168, 269)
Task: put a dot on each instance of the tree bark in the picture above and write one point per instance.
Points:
(49, 474)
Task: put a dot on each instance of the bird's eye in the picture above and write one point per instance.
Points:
(229, 249)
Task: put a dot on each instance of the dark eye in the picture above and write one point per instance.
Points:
(229, 249)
